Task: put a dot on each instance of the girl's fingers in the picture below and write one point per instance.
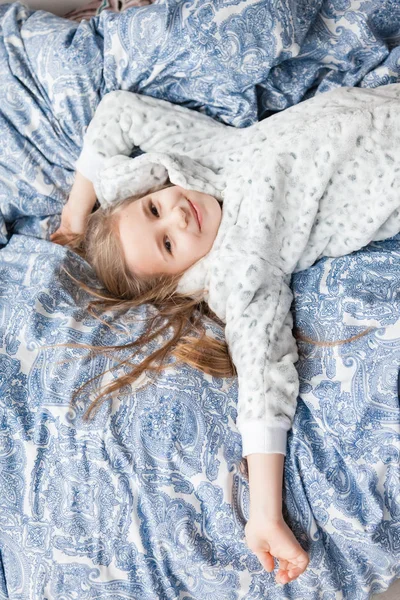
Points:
(301, 562)
(267, 560)
(293, 573)
(288, 571)
(282, 577)
(287, 576)
(283, 564)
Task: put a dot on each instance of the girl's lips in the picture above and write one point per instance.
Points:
(196, 212)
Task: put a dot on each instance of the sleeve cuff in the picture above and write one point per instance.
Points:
(89, 164)
(259, 439)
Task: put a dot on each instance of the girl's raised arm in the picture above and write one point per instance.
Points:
(125, 120)
(74, 215)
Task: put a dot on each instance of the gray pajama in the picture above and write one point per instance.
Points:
(319, 179)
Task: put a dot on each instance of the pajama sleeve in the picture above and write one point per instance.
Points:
(262, 346)
(125, 120)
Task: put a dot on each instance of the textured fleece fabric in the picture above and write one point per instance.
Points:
(319, 179)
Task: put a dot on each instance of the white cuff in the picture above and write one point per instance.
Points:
(259, 439)
(89, 163)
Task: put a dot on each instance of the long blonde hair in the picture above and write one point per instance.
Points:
(325, 344)
(101, 247)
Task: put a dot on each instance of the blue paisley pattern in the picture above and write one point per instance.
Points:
(149, 500)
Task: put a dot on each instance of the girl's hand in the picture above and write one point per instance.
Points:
(269, 539)
(72, 222)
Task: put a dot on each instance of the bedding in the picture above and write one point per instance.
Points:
(149, 500)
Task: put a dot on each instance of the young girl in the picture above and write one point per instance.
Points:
(226, 216)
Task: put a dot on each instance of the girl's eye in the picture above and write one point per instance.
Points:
(153, 210)
(167, 245)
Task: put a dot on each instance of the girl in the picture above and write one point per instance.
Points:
(224, 215)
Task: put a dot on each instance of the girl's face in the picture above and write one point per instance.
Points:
(169, 230)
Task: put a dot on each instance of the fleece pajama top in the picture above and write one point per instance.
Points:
(322, 178)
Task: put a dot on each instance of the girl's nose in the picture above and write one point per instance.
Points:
(180, 217)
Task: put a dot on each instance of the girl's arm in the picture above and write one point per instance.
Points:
(259, 334)
(125, 120)
(267, 534)
(266, 480)
(82, 197)
(80, 204)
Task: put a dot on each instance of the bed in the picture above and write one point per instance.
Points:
(150, 499)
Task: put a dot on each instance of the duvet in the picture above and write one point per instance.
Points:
(150, 498)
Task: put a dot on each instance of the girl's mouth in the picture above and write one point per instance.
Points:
(196, 213)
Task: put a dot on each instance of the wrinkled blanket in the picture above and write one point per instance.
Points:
(150, 500)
